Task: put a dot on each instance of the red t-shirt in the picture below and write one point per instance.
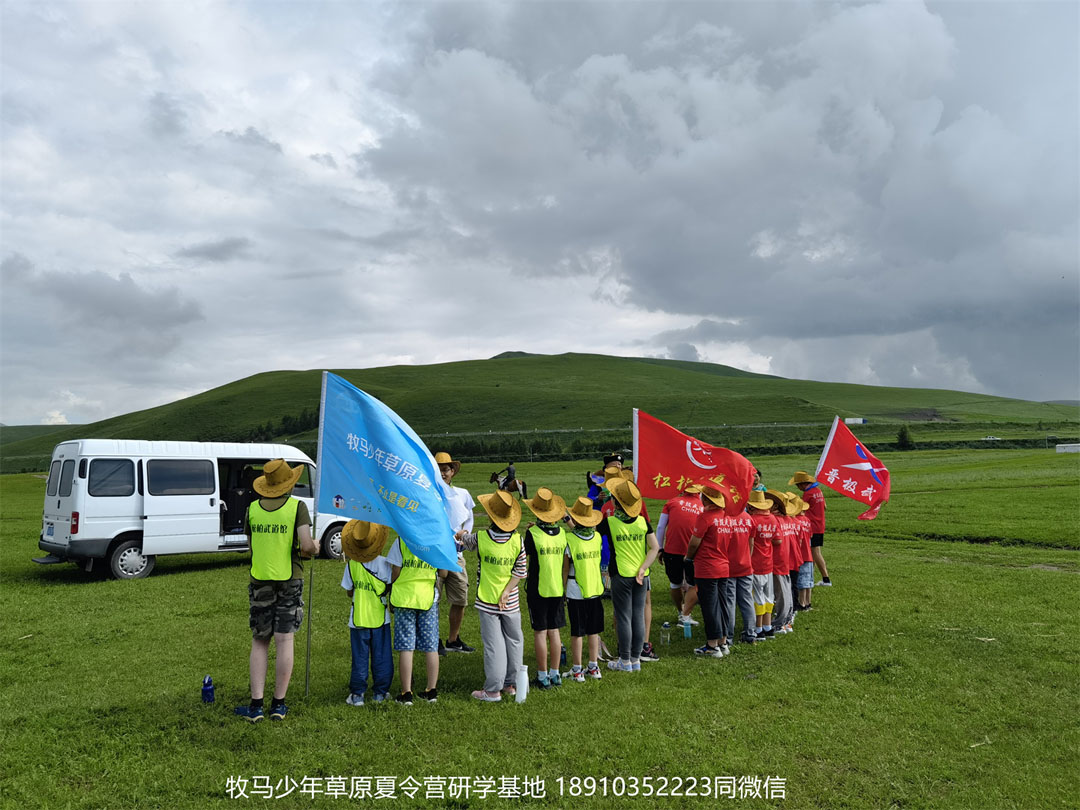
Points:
(816, 498)
(710, 561)
(805, 531)
(742, 526)
(765, 528)
(683, 512)
(780, 562)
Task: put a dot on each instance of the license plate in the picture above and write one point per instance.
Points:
(49, 531)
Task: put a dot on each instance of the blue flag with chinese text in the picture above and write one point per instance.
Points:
(372, 466)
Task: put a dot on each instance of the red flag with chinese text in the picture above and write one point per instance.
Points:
(847, 467)
(666, 461)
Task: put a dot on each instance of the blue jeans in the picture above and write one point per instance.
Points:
(373, 644)
(739, 598)
(711, 600)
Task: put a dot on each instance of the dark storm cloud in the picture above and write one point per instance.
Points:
(222, 250)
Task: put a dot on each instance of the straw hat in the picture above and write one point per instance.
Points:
(803, 505)
(790, 507)
(278, 478)
(363, 541)
(583, 513)
(692, 489)
(503, 510)
(628, 496)
(613, 475)
(801, 478)
(759, 500)
(713, 495)
(777, 498)
(547, 506)
(444, 458)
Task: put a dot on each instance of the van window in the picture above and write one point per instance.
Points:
(66, 474)
(302, 488)
(177, 477)
(54, 479)
(111, 478)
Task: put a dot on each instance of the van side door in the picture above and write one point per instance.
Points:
(181, 511)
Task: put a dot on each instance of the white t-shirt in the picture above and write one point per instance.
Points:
(378, 568)
(461, 514)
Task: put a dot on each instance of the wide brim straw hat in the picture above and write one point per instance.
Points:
(278, 478)
(363, 541)
(503, 510)
(713, 495)
(692, 489)
(444, 458)
(628, 496)
(584, 514)
(801, 477)
(790, 507)
(777, 498)
(547, 506)
(802, 504)
(759, 500)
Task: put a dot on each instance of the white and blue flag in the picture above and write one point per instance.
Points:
(372, 466)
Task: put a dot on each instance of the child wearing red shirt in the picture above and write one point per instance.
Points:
(761, 560)
(739, 586)
(706, 560)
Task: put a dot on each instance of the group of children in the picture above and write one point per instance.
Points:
(751, 562)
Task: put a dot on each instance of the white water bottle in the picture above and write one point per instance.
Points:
(522, 687)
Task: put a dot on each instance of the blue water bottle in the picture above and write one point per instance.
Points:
(208, 690)
(687, 631)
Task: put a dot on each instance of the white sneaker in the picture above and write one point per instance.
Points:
(822, 584)
(685, 619)
(355, 699)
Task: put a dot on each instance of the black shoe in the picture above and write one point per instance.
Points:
(442, 649)
(459, 646)
(431, 695)
(405, 698)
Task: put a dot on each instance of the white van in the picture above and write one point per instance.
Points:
(123, 502)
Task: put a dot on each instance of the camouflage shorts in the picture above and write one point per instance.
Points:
(276, 607)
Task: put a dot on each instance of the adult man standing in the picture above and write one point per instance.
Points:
(456, 584)
(280, 531)
(813, 495)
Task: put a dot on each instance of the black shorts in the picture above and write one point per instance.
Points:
(586, 616)
(817, 539)
(546, 612)
(677, 570)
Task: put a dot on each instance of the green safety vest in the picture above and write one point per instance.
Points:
(496, 564)
(272, 540)
(628, 543)
(550, 550)
(586, 556)
(415, 586)
(369, 609)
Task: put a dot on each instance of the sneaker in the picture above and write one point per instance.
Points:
(576, 677)
(355, 700)
(381, 697)
(459, 646)
(649, 654)
(555, 680)
(510, 691)
(780, 630)
(541, 684)
(690, 620)
(619, 665)
(487, 697)
(725, 649)
(768, 634)
(278, 711)
(594, 673)
(709, 652)
(252, 715)
(635, 666)
(823, 584)
(442, 648)
(789, 627)
(431, 695)
(405, 698)
(750, 639)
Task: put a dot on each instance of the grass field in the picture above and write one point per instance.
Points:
(930, 675)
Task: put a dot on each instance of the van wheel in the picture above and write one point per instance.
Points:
(128, 562)
(331, 544)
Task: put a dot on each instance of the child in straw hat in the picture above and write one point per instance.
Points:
(706, 560)
(584, 587)
(633, 549)
(783, 609)
(545, 548)
(367, 585)
(502, 566)
(764, 536)
(415, 599)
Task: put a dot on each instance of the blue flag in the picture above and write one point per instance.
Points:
(372, 466)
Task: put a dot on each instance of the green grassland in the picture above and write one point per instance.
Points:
(929, 676)
(574, 392)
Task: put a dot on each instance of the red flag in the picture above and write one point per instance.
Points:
(847, 467)
(666, 461)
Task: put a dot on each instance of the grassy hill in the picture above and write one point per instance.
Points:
(575, 393)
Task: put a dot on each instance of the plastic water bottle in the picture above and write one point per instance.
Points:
(208, 690)
(665, 633)
(562, 656)
(687, 630)
(522, 686)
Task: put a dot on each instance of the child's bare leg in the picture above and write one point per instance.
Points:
(405, 669)
(575, 650)
(555, 650)
(540, 647)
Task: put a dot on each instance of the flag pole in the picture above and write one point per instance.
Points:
(314, 524)
(825, 449)
(637, 464)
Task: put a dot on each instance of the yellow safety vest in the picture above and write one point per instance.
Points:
(628, 543)
(496, 565)
(415, 586)
(585, 552)
(272, 540)
(550, 550)
(369, 608)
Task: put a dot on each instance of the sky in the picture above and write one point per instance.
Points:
(880, 193)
